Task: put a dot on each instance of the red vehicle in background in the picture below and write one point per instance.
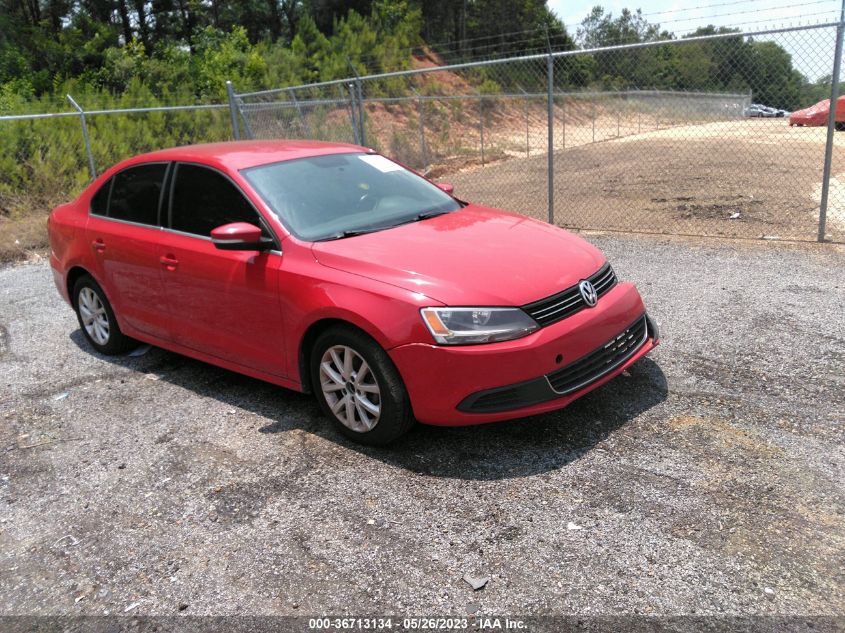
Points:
(328, 268)
(816, 115)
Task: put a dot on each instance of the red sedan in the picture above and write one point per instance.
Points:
(818, 114)
(328, 268)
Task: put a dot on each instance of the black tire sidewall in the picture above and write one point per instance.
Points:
(117, 342)
(396, 417)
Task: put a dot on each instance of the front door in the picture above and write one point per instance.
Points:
(223, 303)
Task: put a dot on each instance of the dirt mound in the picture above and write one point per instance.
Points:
(443, 82)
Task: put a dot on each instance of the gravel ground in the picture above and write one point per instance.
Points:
(707, 480)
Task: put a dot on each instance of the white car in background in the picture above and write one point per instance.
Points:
(760, 110)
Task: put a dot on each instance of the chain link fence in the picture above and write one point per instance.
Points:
(659, 137)
(662, 137)
(46, 159)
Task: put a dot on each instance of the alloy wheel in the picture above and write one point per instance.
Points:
(94, 316)
(350, 388)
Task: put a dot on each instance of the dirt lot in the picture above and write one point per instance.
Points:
(707, 480)
(691, 179)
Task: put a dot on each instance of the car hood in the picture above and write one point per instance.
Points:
(473, 256)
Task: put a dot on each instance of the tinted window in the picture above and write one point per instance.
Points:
(100, 200)
(135, 193)
(203, 199)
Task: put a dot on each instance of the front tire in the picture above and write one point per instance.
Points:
(358, 387)
(96, 318)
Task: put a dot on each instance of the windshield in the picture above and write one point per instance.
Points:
(340, 195)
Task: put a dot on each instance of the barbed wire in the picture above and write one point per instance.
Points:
(481, 53)
(536, 31)
(832, 14)
(764, 10)
(683, 10)
(704, 6)
(469, 51)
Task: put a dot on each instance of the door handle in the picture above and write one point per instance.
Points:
(169, 262)
(98, 245)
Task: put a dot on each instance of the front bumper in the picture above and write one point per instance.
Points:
(443, 382)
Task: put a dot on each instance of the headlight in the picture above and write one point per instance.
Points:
(465, 326)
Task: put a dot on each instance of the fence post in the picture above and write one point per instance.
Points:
(831, 125)
(92, 170)
(550, 149)
(233, 111)
(594, 118)
(247, 127)
(420, 116)
(302, 122)
(481, 124)
(358, 101)
(360, 94)
(353, 114)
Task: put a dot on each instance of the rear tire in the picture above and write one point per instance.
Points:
(96, 318)
(359, 388)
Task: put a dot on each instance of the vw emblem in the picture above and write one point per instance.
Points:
(588, 293)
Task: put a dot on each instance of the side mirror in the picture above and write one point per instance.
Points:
(445, 186)
(240, 236)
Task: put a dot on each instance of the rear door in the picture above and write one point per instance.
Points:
(123, 230)
(224, 303)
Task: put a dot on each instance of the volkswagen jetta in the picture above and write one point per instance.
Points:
(331, 269)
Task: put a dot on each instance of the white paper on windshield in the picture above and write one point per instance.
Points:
(380, 163)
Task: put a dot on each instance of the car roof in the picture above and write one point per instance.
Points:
(237, 155)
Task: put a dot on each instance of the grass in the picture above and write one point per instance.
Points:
(22, 237)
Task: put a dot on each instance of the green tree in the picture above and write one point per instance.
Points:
(600, 29)
(771, 77)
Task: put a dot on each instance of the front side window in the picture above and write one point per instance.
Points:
(338, 195)
(135, 193)
(204, 199)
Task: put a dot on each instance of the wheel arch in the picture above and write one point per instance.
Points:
(310, 336)
(72, 277)
(73, 274)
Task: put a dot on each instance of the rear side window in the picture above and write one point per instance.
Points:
(204, 199)
(135, 193)
(100, 200)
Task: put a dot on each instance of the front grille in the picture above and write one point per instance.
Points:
(568, 302)
(597, 363)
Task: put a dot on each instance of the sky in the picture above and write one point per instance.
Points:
(812, 51)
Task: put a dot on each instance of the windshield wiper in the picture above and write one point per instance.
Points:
(429, 214)
(353, 232)
(343, 234)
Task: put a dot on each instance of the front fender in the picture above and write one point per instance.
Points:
(312, 293)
